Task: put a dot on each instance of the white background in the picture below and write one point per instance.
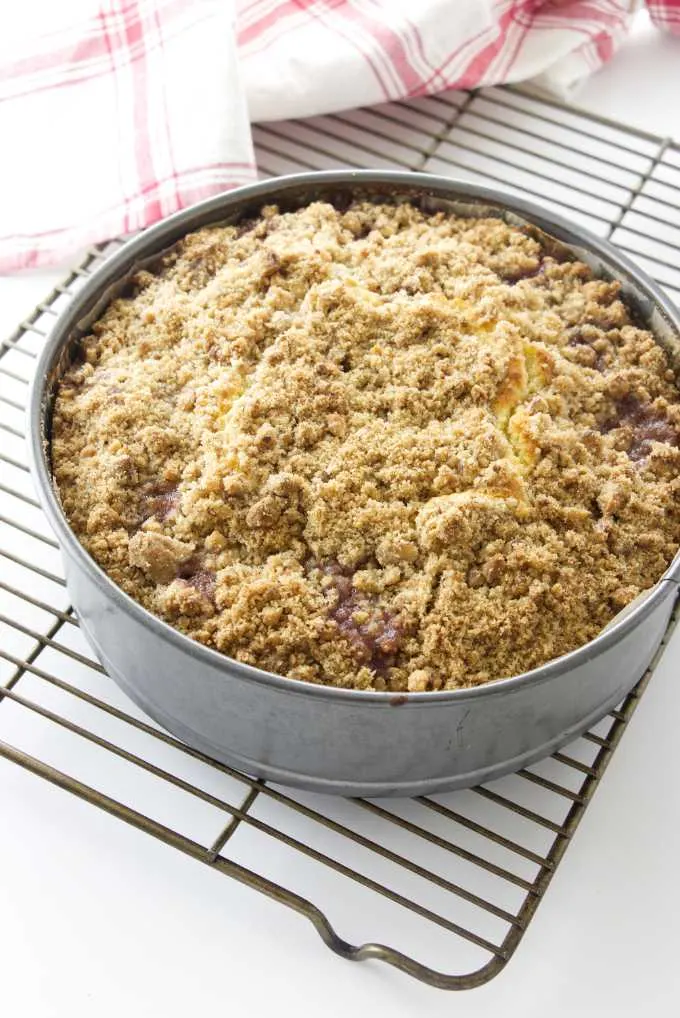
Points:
(98, 919)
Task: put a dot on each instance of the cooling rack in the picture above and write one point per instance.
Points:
(443, 886)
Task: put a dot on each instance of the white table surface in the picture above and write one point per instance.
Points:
(98, 919)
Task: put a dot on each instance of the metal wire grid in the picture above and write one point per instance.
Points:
(449, 882)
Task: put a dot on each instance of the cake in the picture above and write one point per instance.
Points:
(373, 447)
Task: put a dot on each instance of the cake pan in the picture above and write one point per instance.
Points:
(346, 741)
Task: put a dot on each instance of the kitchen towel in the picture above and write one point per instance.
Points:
(136, 108)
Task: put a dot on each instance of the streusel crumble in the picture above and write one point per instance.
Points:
(375, 447)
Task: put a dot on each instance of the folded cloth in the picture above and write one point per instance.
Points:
(300, 59)
(133, 111)
(665, 14)
(141, 107)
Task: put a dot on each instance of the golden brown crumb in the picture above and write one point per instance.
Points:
(375, 448)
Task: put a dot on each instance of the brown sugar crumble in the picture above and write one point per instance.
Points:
(374, 448)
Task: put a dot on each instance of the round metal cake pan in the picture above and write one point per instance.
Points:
(346, 741)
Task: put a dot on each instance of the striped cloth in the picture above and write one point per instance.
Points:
(665, 14)
(138, 108)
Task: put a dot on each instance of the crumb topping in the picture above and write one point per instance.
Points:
(374, 448)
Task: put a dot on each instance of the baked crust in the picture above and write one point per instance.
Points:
(373, 448)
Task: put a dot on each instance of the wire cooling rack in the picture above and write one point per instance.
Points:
(442, 886)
